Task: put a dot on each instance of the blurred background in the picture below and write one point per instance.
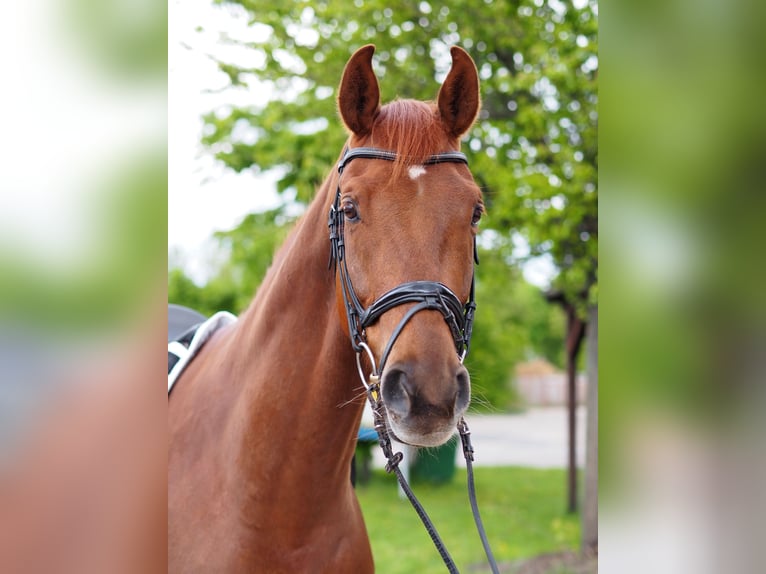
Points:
(685, 208)
(254, 131)
(683, 323)
(82, 238)
(83, 208)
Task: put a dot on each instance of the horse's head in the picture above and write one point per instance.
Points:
(410, 217)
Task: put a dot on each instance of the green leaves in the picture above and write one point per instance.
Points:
(533, 150)
(250, 247)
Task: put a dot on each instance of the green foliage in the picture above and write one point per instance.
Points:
(534, 148)
(183, 291)
(216, 295)
(513, 323)
(250, 247)
(498, 339)
(127, 40)
(521, 509)
(108, 277)
(544, 323)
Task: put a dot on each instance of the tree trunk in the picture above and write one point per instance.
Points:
(590, 506)
(571, 433)
(575, 336)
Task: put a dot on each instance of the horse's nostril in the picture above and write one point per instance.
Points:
(463, 396)
(396, 391)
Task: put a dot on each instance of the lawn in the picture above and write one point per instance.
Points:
(523, 510)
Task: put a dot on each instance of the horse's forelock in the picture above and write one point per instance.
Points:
(410, 128)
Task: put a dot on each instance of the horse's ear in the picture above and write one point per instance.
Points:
(459, 98)
(359, 95)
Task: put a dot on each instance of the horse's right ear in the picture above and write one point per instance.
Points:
(359, 95)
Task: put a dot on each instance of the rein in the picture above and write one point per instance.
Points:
(427, 295)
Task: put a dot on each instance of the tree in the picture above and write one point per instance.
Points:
(533, 150)
(250, 247)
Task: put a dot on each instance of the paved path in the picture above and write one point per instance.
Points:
(536, 438)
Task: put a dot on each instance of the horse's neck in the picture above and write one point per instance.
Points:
(301, 398)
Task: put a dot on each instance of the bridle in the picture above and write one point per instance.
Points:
(427, 295)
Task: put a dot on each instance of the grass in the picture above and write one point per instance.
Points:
(523, 510)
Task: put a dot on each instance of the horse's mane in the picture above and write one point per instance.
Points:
(411, 128)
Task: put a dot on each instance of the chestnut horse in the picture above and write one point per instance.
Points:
(263, 421)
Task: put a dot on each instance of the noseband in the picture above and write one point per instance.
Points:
(426, 294)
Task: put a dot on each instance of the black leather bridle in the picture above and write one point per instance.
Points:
(426, 294)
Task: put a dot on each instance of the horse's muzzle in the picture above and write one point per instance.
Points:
(423, 406)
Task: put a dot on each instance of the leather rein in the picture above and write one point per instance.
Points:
(429, 295)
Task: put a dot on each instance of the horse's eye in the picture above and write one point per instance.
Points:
(350, 211)
(477, 211)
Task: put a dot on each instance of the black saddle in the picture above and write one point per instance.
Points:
(182, 324)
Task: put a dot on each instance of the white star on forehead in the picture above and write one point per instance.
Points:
(416, 171)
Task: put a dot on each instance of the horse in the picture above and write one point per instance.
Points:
(263, 421)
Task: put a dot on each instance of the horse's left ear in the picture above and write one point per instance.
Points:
(459, 98)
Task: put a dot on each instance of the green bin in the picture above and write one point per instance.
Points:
(435, 465)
